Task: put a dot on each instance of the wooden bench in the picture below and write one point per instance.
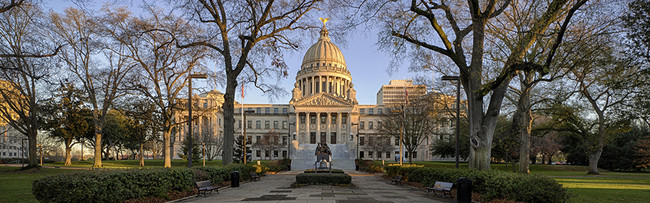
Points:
(254, 176)
(444, 187)
(396, 180)
(205, 186)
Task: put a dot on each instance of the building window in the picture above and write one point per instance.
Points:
(249, 109)
(258, 139)
(370, 125)
(275, 153)
(267, 124)
(284, 125)
(334, 118)
(276, 111)
(284, 110)
(344, 119)
(333, 138)
(379, 155)
(312, 118)
(276, 125)
(396, 141)
(387, 154)
(284, 140)
(249, 139)
(258, 153)
(378, 111)
(267, 110)
(258, 124)
(258, 110)
(415, 154)
(362, 111)
(369, 112)
(284, 154)
(323, 118)
(361, 125)
(370, 154)
(362, 141)
(239, 124)
(302, 118)
(361, 154)
(250, 124)
(379, 125)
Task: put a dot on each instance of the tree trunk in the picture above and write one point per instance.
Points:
(68, 157)
(593, 161)
(167, 153)
(98, 139)
(525, 123)
(141, 155)
(31, 138)
(228, 112)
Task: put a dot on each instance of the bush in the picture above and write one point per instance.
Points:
(324, 171)
(120, 185)
(323, 178)
(369, 166)
(112, 186)
(491, 184)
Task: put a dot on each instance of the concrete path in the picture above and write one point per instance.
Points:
(276, 188)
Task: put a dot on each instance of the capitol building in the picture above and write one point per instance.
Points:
(323, 108)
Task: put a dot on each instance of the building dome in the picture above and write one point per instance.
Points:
(323, 53)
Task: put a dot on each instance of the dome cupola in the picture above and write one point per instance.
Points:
(323, 53)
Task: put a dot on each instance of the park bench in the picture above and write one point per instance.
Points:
(254, 176)
(205, 186)
(444, 187)
(396, 180)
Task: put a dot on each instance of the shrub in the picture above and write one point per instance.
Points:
(120, 185)
(112, 186)
(323, 178)
(491, 184)
(324, 171)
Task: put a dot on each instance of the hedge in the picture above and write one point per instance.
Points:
(491, 184)
(120, 185)
(323, 171)
(323, 178)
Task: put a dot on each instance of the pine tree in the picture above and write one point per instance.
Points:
(196, 152)
(238, 149)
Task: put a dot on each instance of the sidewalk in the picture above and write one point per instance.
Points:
(276, 188)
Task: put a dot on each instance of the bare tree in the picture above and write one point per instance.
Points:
(161, 68)
(23, 70)
(379, 144)
(270, 142)
(243, 35)
(415, 120)
(213, 142)
(424, 25)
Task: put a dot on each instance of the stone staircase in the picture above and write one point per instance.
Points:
(302, 157)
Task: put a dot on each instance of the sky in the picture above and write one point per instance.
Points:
(366, 63)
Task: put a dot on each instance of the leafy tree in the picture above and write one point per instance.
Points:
(67, 118)
(446, 148)
(622, 152)
(638, 43)
(238, 152)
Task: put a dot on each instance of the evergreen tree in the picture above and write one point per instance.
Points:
(196, 152)
(238, 156)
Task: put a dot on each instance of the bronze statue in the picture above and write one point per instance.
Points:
(323, 153)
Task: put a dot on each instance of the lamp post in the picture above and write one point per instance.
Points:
(246, 126)
(357, 124)
(457, 79)
(289, 139)
(203, 144)
(189, 107)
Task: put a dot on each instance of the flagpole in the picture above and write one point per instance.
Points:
(243, 125)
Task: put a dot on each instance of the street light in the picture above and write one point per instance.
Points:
(357, 124)
(457, 79)
(189, 107)
(289, 139)
(246, 126)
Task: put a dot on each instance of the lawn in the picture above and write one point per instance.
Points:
(606, 187)
(16, 184)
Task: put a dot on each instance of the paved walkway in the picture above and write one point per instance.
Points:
(276, 188)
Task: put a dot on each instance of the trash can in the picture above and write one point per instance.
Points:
(464, 190)
(234, 179)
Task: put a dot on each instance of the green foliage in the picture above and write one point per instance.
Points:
(238, 151)
(491, 184)
(323, 171)
(120, 185)
(370, 166)
(323, 178)
(185, 146)
(621, 153)
(112, 186)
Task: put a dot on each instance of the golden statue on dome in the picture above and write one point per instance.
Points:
(324, 20)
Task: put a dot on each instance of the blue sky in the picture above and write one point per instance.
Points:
(366, 63)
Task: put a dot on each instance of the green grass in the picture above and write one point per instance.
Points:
(16, 184)
(609, 186)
